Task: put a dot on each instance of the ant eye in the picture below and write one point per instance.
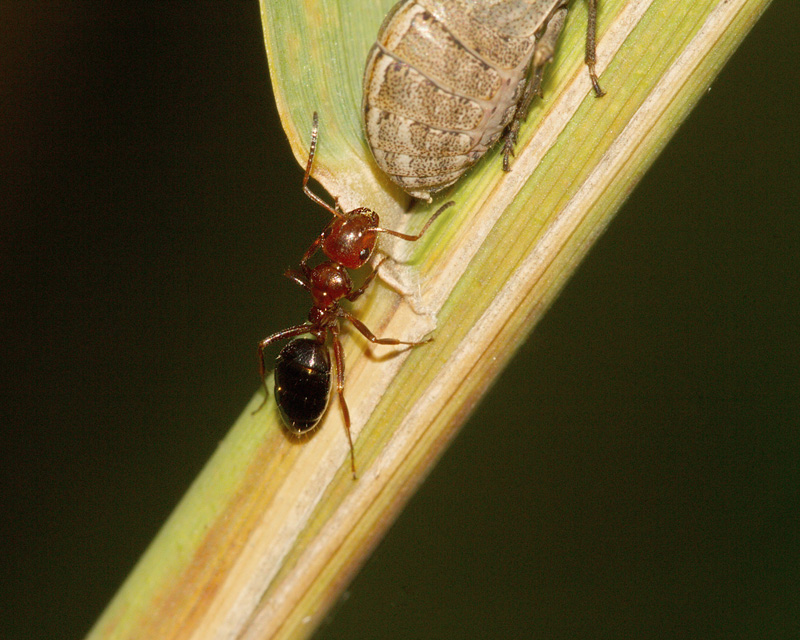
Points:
(363, 254)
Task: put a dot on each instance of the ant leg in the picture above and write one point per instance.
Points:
(312, 150)
(338, 354)
(356, 293)
(364, 331)
(291, 332)
(411, 238)
(310, 252)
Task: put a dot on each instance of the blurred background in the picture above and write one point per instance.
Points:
(634, 473)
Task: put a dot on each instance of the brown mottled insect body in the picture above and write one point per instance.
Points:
(446, 78)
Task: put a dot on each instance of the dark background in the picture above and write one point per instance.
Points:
(634, 473)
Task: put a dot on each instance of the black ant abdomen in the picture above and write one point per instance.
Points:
(303, 383)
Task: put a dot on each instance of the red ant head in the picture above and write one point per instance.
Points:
(330, 283)
(350, 240)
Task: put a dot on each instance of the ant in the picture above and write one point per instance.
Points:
(303, 379)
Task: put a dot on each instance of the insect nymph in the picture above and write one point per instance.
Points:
(303, 368)
(446, 78)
